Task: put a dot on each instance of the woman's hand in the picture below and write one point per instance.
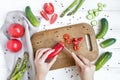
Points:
(42, 67)
(85, 68)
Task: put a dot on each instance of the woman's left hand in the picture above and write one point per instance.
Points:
(42, 67)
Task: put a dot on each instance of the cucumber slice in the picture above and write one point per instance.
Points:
(100, 5)
(89, 17)
(90, 11)
(100, 8)
(94, 23)
(96, 13)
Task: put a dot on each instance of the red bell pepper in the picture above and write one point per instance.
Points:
(58, 48)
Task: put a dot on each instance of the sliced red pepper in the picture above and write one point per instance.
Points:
(76, 47)
(58, 48)
(53, 18)
(69, 41)
(80, 39)
(44, 15)
(66, 36)
(75, 41)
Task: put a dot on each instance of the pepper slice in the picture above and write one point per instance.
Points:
(44, 15)
(76, 47)
(53, 18)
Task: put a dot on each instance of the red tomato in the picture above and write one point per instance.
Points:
(16, 30)
(49, 8)
(53, 18)
(44, 15)
(14, 45)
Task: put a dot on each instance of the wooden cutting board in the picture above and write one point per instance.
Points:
(88, 47)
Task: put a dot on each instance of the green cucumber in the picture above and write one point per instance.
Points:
(33, 20)
(102, 60)
(104, 28)
(107, 42)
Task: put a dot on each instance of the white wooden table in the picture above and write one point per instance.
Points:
(111, 69)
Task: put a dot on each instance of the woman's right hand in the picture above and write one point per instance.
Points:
(85, 68)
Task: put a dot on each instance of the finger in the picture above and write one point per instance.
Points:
(37, 52)
(85, 60)
(41, 52)
(43, 58)
(78, 67)
(77, 60)
(53, 61)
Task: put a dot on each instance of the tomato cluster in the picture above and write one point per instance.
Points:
(15, 30)
(74, 41)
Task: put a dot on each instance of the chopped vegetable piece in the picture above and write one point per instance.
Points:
(70, 7)
(75, 39)
(76, 47)
(100, 4)
(69, 41)
(89, 17)
(80, 39)
(44, 15)
(76, 8)
(94, 23)
(107, 42)
(90, 11)
(96, 13)
(53, 18)
(100, 8)
(66, 36)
